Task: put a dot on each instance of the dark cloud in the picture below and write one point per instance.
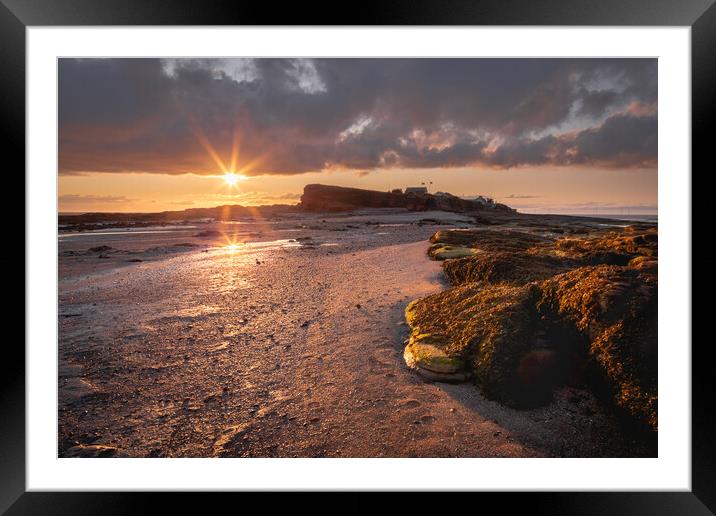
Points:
(624, 140)
(594, 103)
(290, 116)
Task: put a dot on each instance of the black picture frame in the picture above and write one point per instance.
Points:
(700, 15)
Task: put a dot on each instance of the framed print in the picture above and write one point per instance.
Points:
(414, 250)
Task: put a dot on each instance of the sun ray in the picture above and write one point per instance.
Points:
(234, 152)
(210, 150)
(259, 219)
(232, 244)
(248, 167)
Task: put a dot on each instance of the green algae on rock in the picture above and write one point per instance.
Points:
(432, 362)
(447, 252)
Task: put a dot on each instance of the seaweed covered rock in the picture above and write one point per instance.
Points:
(488, 330)
(490, 240)
(462, 243)
(528, 313)
(612, 248)
(616, 309)
(509, 267)
(518, 257)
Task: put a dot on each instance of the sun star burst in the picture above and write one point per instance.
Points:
(231, 179)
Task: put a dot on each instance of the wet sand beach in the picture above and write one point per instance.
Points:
(278, 338)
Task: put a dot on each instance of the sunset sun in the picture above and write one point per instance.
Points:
(231, 179)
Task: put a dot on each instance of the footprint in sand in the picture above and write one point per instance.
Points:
(74, 389)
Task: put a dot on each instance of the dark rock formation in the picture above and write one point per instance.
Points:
(337, 198)
(615, 310)
(321, 198)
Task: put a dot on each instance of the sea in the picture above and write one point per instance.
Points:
(636, 218)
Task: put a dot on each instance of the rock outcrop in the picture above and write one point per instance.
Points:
(337, 198)
(92, 221)
(528, 313)
(326, 198)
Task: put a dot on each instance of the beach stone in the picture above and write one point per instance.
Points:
(431, 362)
(100, 249)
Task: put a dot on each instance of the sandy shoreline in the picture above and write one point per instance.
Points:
(284, 351)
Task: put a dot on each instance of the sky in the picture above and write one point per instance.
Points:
(541, 135)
